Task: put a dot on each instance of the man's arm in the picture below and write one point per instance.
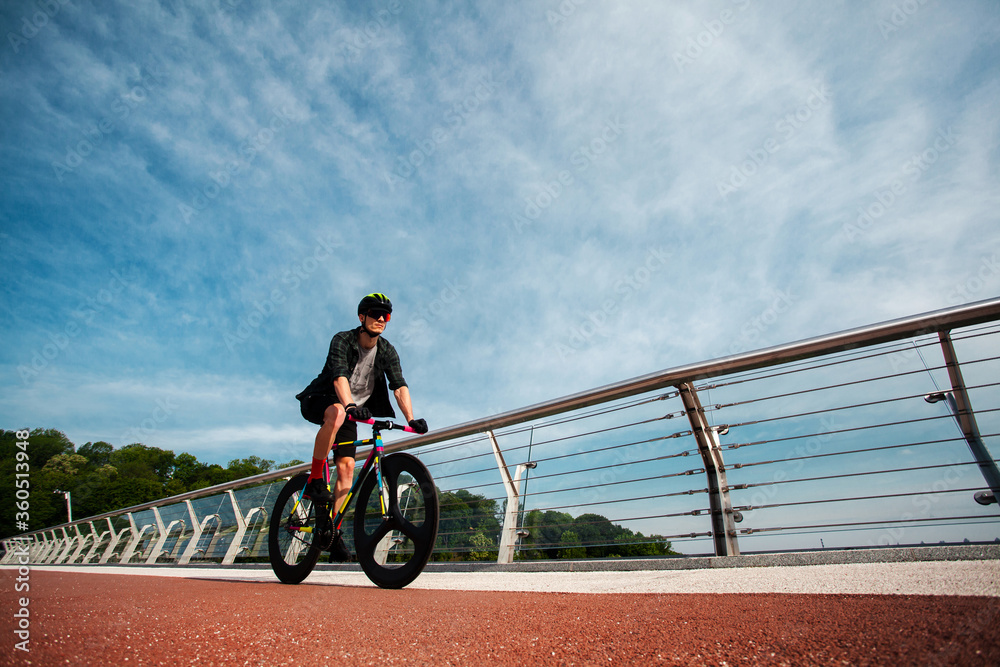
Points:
(403, 401)
(343, 388)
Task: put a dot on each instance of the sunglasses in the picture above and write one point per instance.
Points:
(379, 314)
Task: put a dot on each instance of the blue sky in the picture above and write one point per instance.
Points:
(556, 196)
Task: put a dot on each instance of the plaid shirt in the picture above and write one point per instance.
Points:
(345, 350)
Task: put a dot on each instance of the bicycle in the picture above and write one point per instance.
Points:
(396, 511)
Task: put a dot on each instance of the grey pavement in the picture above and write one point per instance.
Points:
(970, 577)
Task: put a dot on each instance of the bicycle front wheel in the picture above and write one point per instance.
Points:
(393, 551)
(295, 536)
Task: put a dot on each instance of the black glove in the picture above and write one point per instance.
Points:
(361, 414)
(418, 425)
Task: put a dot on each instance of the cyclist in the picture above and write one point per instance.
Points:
(353, 383)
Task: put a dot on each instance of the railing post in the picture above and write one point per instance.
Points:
(196, 529)
(508, 534)
(54, 547)
(9, 547)
(723, 522)
(242, 522)
(70, 542)
(241, 529)
(83, 541)
(164, 534)
(98, 538)
(45, 548)
(137, 536)
(155, 551)
(180, 539)
(112, 543)
(38, 547)
(966, 416)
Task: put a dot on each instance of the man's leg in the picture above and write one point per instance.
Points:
(339, 553)
(345, 476)
(333, 419)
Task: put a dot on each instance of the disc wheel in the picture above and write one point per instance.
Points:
(296, 535)
(394, 551)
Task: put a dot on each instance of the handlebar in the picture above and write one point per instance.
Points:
(383, 424)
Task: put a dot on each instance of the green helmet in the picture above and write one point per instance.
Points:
(375, 301)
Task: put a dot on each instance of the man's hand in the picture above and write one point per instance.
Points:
(361, 414)
(418, 425)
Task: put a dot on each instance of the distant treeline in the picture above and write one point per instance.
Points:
(101, 478)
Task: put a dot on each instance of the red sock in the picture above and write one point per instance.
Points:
(317, 469)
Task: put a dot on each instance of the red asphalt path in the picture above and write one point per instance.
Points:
(110, 619)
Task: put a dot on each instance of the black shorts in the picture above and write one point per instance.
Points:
(314, 406)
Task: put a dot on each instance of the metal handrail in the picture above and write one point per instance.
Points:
(907, 327)
(875, 334)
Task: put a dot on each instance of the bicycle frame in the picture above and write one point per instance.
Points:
(374, 460)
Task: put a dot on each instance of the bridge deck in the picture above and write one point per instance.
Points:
(863, 613)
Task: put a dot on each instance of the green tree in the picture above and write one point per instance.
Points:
(571, 546)
(124, 492)
(596, 533)
(483, 548)
(248, 467)
(97, 453)
(85, 503)
(545, 533)
(45, 508)
(586, 536)
(65, 465)
(464, 515)
(143, 462)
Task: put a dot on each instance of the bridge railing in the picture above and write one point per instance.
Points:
(871, 437)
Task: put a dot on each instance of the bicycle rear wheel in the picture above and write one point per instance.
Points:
(296, 534)
(394, 551)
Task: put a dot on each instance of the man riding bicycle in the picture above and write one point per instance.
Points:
(353, 383)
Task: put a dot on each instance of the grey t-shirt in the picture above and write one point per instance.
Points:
(363, 377)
